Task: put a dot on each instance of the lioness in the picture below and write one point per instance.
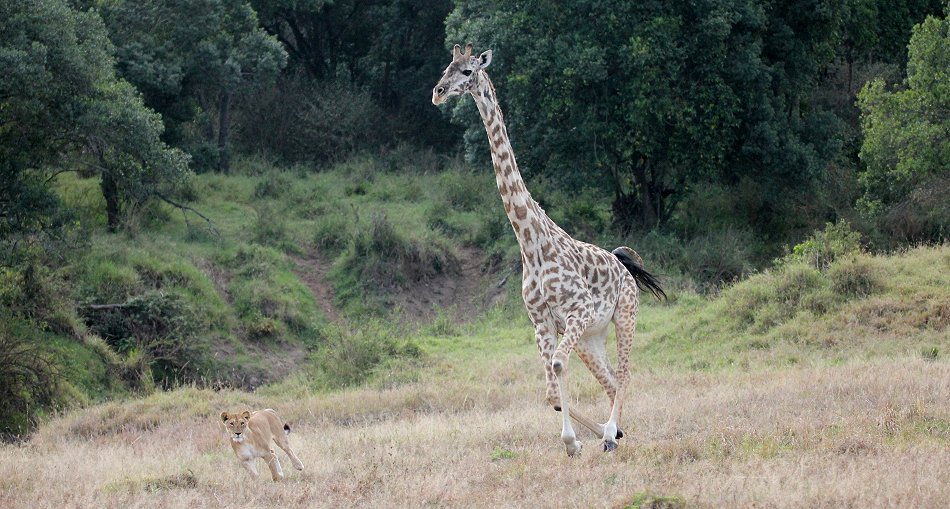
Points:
(250, 438)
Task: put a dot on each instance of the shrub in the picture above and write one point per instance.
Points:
(461, 191)
(719, 257)
(271, 225)
(302, 120)
(29, 379)
(272, 185)
(159, 326)
(382, 256)
(333, 231)
(825, 246)
(854, 278)
(351, 353)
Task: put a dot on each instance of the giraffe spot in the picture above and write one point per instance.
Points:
(505, 155)
(515, 226)
(521, 212)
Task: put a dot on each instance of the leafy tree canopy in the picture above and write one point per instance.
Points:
(59, 96)
(906, 146)
(192, 58)
(655, 99)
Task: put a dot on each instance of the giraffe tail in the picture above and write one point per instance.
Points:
(634, 264)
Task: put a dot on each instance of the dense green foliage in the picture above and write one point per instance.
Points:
(657, 100)
(907, 140)
(192, 60)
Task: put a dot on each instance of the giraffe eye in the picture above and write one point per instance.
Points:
(467, 72)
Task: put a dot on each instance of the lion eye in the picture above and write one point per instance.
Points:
(467, 72)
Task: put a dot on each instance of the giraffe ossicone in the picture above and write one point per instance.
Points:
(570, 288)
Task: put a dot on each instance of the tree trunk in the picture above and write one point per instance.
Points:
(209, 123)
(224, 130)
(110, 191)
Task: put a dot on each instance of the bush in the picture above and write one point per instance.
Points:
(272, 185)
(825, 246)
(719, 257)
(29, 379)
(352, 352)
(270, 227)
(158, 326)
(383, 257)
(854, 278)
(333, 231)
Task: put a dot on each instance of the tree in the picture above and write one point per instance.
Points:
(192, 59)
(653, 100)
(392, 49)
(906, 146)
(59, 96)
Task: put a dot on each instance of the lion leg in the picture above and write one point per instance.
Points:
(250, 467)
(284, 444)
(273, 463)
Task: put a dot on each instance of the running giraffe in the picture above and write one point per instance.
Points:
(570, 288)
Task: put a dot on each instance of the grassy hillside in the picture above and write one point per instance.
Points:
(795, 387)
(269, 287)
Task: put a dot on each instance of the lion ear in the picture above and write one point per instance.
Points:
(246, 414)
(224, 416)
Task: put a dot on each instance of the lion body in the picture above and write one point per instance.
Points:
(251, 435)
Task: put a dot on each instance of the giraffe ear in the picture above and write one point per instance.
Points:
(484, 59)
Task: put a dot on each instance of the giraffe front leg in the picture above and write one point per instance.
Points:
(572, 331)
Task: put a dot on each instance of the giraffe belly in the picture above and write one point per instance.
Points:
(599, 319)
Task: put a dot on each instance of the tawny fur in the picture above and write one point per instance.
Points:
(251, 435)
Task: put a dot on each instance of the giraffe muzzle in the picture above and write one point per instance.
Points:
(438, 95)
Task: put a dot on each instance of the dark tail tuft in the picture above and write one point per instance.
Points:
(645, 281)
(286, 428)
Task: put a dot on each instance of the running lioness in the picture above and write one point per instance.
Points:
(250, 438)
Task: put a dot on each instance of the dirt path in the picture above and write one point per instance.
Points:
(312, 270)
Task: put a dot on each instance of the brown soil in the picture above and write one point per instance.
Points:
(464, 295)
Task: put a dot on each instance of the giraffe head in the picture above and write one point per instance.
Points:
(461, 75)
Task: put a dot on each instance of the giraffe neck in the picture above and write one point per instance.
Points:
(527, 218)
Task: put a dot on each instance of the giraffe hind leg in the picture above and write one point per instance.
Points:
(592, 350)
(625, 321)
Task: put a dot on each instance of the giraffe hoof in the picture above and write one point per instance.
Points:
(610, 446)
(619, 434)
(574, 450)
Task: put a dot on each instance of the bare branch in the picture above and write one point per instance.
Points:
(183, 208)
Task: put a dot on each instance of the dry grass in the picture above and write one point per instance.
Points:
(718, 416)
(872, 433)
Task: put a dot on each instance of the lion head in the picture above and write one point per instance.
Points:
(236, 424)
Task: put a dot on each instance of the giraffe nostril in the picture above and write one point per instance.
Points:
(440, 90)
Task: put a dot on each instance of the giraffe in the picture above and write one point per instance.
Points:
(570, 288)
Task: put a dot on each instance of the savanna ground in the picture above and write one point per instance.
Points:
(803, 385)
